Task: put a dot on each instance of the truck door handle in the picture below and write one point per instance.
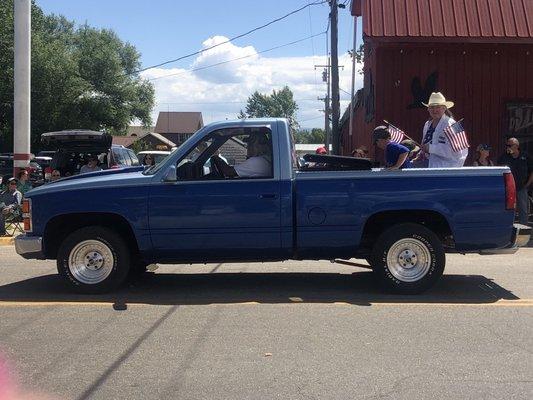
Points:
(268, 196)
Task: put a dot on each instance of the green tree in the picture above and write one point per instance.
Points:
(82, 77)
(359, 56)
(139, 146)
(310, 136)
(279, 104)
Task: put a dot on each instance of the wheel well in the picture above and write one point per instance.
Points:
(379, 222)
(59, 227)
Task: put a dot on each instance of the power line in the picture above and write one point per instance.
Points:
(221, 102)
(237, 59)
(229, 40)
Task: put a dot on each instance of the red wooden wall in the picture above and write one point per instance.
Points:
(479, 78)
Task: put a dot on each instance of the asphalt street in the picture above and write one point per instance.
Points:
(292, 330)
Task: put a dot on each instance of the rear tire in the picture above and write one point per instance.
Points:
(93, 260)
(408, 259)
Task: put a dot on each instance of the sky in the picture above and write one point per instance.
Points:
(163, 30)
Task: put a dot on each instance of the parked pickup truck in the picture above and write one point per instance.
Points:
(196, 207)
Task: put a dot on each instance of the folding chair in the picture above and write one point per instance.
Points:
(13, 221)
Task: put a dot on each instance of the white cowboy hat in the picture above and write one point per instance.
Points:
(438, 99)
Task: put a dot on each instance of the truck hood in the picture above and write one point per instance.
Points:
(92, 180)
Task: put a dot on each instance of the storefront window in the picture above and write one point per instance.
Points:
(520, 124)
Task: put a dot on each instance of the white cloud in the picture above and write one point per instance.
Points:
(227, 72)
(221, 91)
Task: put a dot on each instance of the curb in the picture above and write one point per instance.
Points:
(7, 241)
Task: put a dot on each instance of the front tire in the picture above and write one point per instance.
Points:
(408, 259)
(93, 260)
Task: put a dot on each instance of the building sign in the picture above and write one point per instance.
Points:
(520, 119)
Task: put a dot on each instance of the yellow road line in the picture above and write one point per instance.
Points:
(498, 303)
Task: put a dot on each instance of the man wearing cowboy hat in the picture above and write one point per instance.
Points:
(435, 144)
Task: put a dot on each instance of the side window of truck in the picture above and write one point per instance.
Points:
(236, 154)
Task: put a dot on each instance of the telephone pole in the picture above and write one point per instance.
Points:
(335, 99)
(327, 110)
(327, 129)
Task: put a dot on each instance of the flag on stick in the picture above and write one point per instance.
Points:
(397, 135)
(456, 135)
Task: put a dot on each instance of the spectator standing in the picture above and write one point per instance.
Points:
(24, 184)
(148, 160)
(360, 152)
(321, 150)
(9, 200)
(91, 166)
(55, 175)
(482, 157)
(396, 155)
(522, 168)
(357, 153)
(435, 145)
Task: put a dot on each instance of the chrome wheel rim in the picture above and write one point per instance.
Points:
(409, 260)
(91, 262)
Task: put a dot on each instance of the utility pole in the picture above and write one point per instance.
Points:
(326, 121)
(327, 108)
(326, 74)
(335, 99)
(21, 123)
(354, 51)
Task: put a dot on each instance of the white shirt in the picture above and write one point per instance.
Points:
(258, 166)
(85, 169)
(441, 154)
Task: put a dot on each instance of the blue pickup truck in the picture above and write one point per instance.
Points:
(235, 191)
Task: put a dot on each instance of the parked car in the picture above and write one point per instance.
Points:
(44, 162)
(102, 225)
(34, 169)
(46, 153)
(72, 149)
(158, 155)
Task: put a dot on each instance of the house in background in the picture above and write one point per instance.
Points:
(178, 126)
(478, 53)
(150, 140)
(137, 130)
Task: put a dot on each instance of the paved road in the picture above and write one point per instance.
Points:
(294, 330)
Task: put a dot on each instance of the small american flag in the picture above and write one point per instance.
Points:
(397, 135)
(456, 135)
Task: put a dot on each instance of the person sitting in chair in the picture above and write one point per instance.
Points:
(91, 166)
(258, 162)
(10, 200)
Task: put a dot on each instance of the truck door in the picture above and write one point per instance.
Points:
(204, 216)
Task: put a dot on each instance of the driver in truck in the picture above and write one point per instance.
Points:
(258, 163)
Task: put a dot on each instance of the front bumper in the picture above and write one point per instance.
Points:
(30, 247)
(521, 237)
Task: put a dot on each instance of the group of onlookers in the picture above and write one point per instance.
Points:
(12, 192)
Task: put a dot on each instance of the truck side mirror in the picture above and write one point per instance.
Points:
(171, 175)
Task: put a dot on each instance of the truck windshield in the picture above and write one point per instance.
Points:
(153, 169)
